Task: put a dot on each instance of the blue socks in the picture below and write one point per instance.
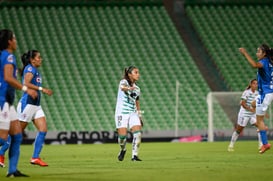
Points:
(5, 145)
(263, 137)
(14, 152)
(38, 145)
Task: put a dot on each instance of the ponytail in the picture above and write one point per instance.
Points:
(25, 58)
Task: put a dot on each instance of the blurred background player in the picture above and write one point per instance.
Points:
(246, 113)
(265, 86)
(29, 109)
(128, 113)
(9, 123)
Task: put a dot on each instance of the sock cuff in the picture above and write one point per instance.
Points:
(42, 133)
(19, 135)
(122, 137)
(136, 132)
(262, 131)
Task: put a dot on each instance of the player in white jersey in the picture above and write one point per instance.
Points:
(246, 114)
(127, 113)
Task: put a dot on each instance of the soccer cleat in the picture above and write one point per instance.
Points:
(38, 161)
(2, 161)
(265, 148)
(230, 149)
(121, 155)
(135, 158)
(17, 173)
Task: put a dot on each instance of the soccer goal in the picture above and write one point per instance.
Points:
(223, 108)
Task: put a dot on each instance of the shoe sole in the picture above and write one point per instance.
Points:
(38, 164)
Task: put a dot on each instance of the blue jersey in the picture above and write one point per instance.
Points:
(36, 80)
(265, 77)
(7, 92)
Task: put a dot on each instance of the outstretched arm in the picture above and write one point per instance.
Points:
(249, 59)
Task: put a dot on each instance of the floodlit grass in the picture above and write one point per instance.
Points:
(161, 161)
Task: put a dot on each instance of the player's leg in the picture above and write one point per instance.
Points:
(14, 149)
(122, 138)
(253, 122)
(241, 123)
(121, 125)
(135, 125)
(15, 133)
(40, 124)
(4, 147)
(4, 132)
(261, 108)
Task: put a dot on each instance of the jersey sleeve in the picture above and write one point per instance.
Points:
(123, 82)
(10, 60)
(29, 69)
(244, 95)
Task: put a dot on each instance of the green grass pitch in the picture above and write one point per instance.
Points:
(161, 161)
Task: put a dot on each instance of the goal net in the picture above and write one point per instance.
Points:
(223, 108)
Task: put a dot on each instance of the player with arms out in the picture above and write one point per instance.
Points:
(246, 113)
(128, 112)
(265, 87)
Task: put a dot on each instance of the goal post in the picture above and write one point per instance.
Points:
(223, 108)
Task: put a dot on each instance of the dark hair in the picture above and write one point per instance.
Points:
(5, 36)
(25, 58)
(249, 85)
(127, 71)
(268, 52)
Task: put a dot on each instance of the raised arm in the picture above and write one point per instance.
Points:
(253, 63)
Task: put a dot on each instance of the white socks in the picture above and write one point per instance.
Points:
(136, 142)
(234, 137)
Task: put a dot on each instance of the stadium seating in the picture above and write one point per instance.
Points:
(225, 28)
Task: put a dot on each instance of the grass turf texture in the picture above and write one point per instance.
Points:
(161, 161)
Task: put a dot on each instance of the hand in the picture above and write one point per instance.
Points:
(131, 88)
(47, 91)
(242, 51)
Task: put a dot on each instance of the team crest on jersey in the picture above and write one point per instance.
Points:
(38, 79)
(10, 58)
(29, 69)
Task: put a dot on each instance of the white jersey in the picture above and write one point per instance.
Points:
(249, 97)
(126, 100)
